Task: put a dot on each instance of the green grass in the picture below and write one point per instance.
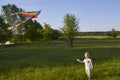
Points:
(39, 61)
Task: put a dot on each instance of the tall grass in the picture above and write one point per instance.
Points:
(39, 61)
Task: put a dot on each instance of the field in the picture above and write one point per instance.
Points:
(57, 61)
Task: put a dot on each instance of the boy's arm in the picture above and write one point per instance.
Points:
(79, 61)
(91, 65)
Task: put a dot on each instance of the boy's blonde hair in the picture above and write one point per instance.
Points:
(87, 54)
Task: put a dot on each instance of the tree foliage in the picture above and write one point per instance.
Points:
(47, 32)
(70, 27)
(9, 12)
(56, 34)
(113, 33)
(4, 34)
(33, 30)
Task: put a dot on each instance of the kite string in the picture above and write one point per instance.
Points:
(22, 22)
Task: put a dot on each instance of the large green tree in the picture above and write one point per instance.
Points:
(70, 28)
(10, 13)
(12, 18)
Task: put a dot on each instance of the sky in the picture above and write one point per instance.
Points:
(93, 15)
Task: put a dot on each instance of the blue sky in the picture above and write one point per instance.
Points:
(93, 15)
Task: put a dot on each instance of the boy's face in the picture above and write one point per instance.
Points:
(86, 55)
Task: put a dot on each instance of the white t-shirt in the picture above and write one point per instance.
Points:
(88, 64)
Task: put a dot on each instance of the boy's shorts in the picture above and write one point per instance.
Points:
(88, 71)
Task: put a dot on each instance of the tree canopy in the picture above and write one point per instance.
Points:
(71, 27)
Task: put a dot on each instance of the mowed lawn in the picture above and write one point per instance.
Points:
(57, 61)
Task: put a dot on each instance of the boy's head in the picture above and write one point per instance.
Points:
(86, 55)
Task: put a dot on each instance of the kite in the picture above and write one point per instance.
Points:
(30, 14)
(27, 15)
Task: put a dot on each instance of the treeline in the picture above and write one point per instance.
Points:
(107, 33)
(32, 30)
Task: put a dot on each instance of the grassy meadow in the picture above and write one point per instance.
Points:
(57, 61)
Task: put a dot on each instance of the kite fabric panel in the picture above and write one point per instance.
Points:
(33, 14)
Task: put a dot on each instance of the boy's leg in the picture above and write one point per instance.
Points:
(88, 74)
(88, 77)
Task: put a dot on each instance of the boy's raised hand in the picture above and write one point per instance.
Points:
(78, 60)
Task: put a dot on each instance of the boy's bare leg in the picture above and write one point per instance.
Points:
(88, 77)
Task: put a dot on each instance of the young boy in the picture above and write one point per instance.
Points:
(88, 65)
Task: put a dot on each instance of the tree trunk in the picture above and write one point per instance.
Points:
(71, 42)
(48, 42)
